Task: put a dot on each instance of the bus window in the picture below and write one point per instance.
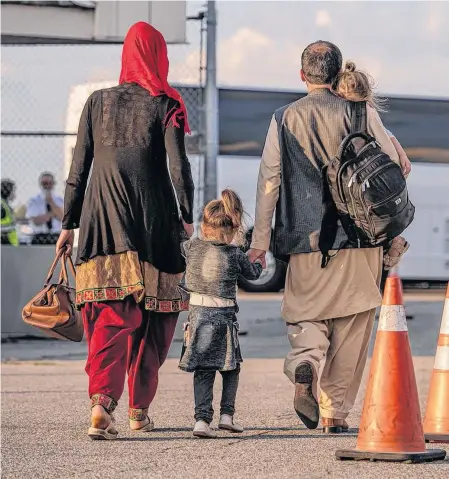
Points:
(421, 126)
(244, 119)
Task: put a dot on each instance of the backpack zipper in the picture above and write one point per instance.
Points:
(361, 190)
(385, 200)
(357, 171)
(367, 208)
(340, 172)
(388, 165)
(353, 203)
(351, 182)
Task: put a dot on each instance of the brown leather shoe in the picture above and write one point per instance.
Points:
(334, 426)
(305, 403)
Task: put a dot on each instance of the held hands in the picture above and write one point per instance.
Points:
(257, 255)
(66, 239)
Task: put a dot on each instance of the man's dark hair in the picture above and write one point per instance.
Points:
(321, 62)
(7, 187)
(46, 173)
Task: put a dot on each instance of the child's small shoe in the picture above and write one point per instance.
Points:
(227, 423)
(202, 429)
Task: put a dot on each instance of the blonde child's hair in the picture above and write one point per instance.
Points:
(223, 219)
(356, 85)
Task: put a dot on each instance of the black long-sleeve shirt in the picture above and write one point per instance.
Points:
(129, 204)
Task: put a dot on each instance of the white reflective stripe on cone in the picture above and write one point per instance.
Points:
(442, 358)
(392, 318)
(394, 271)
(445, 322)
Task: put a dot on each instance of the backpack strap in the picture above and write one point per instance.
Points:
(348, 141)
(359, 117)
(329, 223)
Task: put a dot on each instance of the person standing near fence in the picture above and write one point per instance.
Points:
(129, 260)
(8, 221)
(45, 211)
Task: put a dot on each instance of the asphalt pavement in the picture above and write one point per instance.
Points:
(45, 413)
(45, 419)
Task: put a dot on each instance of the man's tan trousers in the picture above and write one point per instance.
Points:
(343, 344)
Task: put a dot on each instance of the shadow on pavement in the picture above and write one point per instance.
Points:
(239, 437)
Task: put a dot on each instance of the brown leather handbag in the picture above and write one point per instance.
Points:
(53, 310)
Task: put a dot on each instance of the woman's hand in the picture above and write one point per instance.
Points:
(65, 240)
(189, 229)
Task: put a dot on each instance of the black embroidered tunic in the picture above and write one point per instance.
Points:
(129, 204)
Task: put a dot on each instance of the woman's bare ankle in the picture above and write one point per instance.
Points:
(100, 418)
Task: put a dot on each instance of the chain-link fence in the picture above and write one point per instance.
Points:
(43, 91)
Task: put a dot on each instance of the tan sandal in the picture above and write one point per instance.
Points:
(139, 415)
(101, 433)
(109, 433)
(400, 246)
(148, 427)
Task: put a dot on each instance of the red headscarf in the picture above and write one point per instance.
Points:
(145, 62)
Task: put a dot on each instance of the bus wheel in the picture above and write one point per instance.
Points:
(272, 278)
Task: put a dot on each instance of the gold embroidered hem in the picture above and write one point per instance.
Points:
(114, 277)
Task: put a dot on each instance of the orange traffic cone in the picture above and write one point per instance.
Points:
(391, 428)
(436, 420)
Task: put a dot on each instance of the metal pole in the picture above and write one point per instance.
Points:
(210, 161)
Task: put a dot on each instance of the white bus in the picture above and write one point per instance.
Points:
(421, 125)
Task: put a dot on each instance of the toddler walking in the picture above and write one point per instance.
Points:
(213, 265)
(355, 85)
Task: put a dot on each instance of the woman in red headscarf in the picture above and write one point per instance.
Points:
(129, 261)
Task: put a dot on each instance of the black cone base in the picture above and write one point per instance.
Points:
(411, 457)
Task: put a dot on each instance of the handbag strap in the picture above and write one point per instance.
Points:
(63, 276)
(51, 271)
(71, 266)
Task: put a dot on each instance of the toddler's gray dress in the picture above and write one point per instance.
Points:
(211, 339)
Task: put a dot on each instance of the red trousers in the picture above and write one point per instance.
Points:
(123, 337)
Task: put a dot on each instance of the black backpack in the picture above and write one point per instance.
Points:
(364, 190)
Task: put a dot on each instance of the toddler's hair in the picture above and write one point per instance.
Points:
(356, 85)
(223, 218)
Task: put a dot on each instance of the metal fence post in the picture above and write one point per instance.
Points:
(210, 164)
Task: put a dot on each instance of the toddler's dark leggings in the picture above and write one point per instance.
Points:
(203, 385)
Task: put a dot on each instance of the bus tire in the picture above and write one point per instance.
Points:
(271, 280)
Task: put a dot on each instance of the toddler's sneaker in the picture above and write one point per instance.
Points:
(202, 429)
(227, 423)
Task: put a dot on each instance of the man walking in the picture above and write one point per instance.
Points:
(329, 312)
